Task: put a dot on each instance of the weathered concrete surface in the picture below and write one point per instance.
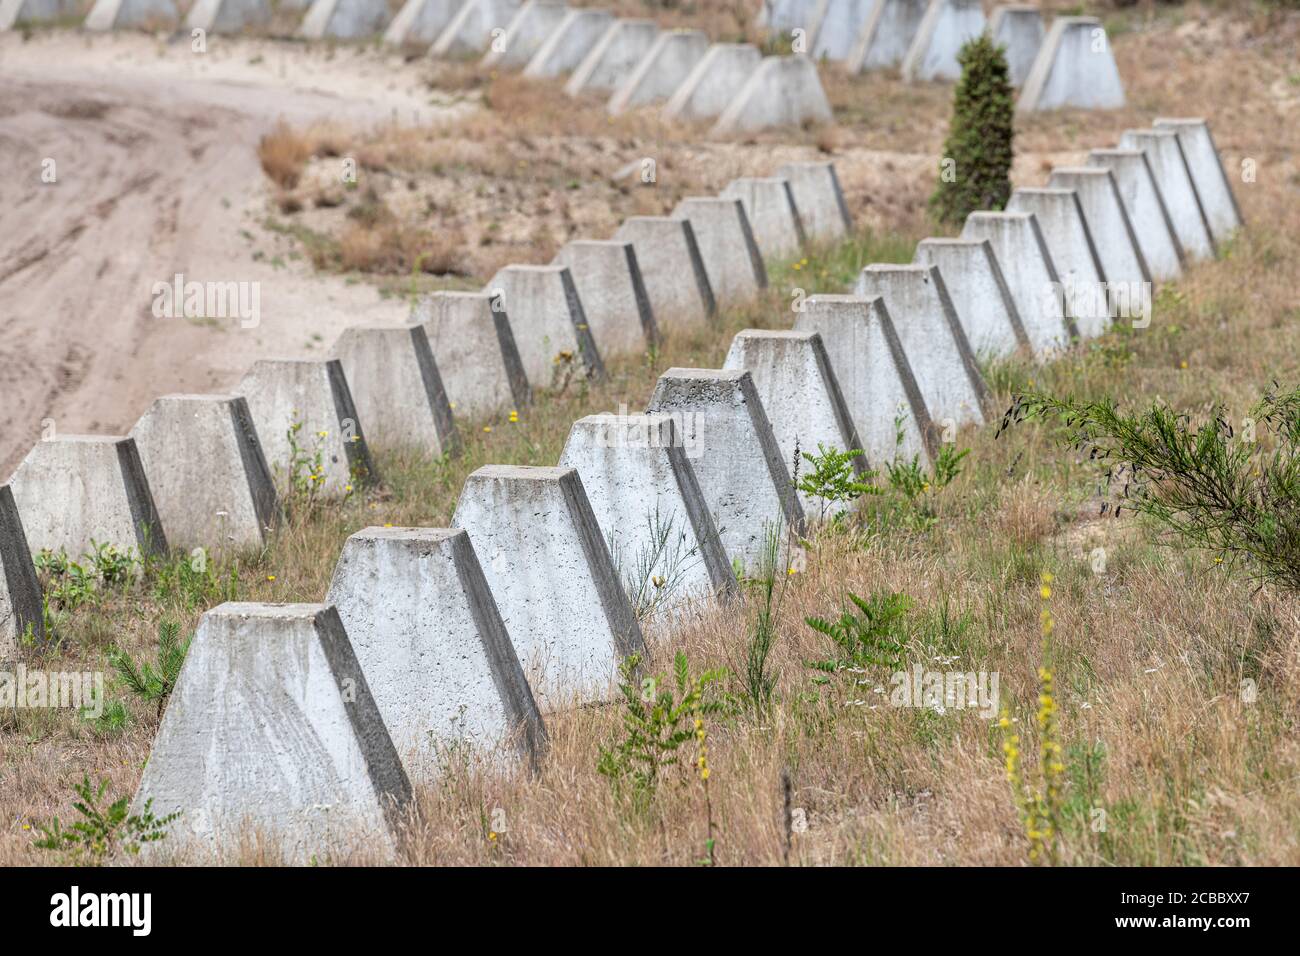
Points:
(886, 35)
(1117, 245)
(672, 270)
(793, 377)
(77, 491)
(344, 19)
(569, 43)
(945, 28)
(979, 292)
(615, 55)
(435, 652)
(397, 389)
(1208, 175)
(1074, 67)
(1030, 274)
(549, 323)
(835, 27)
(315, 395)
(471, 339)
(22, 617)
(207, 474)
(419, 22)
(661, 71)
(823, 212)
(745, 482)
(772, 214)
(1074, 253)
(1146, 209)
(614, 298)
(782, 16)
(933, 338)
(524, 35)
(227, 16)
(1018, 29)
(782, 91)
(131, 14)
(638, 476)
(17, 12)
(470, 31)
(874, 376)
(550, 571)
(714, 82)
(1174, 179)
(272, 730)
(727, 247)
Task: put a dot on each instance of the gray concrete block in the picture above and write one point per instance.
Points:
(430, 640)
(1030, 274)
(614, 298)
(21, 12)
(227, 16)
(1208, 175)
(637, 472)
(726, 242)
(471, 339)
(661, 71)
(823, 213)
(397, 390)
(672, 270)
(344, 19)
(946, 27)
(272, 731)
(131, 14)
(569, 43)
(1174, 178)
(524, 35)
(745, 481)
(933, 338)
(1074, 68)
(714, 82)
(874, 375)
(77, 491)
(1018, 28)
(550, 571)
(772, 214)
(419, 22)
(835, 27)
(22, 616)
(471, 30)
(979, 292)
(314, 395)
(1074, 254)
(1146, 209)
(619, 49)
(1112, 232)
(793, 377)
(886, 35)
(782, 91)
(782, 16)
(549, 323)
(207, 474)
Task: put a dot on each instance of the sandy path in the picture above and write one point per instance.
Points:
(157, 173)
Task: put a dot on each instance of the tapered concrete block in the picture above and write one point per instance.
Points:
(933, 338)
(344, 19)
(946, 27)
(549, 323)
(782, 16)
(874, 375)
(661, 71)
(227, 16)
(886, 35)
(672, 270)
(207, 474)
(272, 731)
(1112, 232)
(1212, 185)
(307, 403)
(1173, 177)
(435, 652)
(772, 214)
(527, 30)
(397, 390)
(473, 27)
(835, 27)
(1030, 274)
(569, 43)
(470, 336)
(78, 491)
(726, 242)
(638, 474)
(979, 292)
(22, 617)
(1074, 68)
(550, 571)
(613, 295)
(1018, 29)
(617, 52)
(419, 22)
(782, 91)
(1146, 209)
(745, 481)
(714, 82)
(1074, 254)
(22, 12)
(823, 213)
(132, 14)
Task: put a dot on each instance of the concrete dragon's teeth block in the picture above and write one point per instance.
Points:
(227, 16)
(946, 27)
(470, 31)
(672, 270)
(131, 14)
(549, 323)
(1208, 175)
(886, 35)
(782, 91)
(713, 83)
(1174, 178)
(817, 195)
(664, 68)
(1117, 245)
(470, 336)
(1018, 28)
(1146, 209)
(613, 57)
(344, 19)
(772, 214)
(1074, 68)
(419, 22)
(524, 35)
(569, 43)
(978, 290)
(727, 247)
(22, 616)
(614, 300)
(835, 28)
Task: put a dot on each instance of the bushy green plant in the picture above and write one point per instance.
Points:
(101, 831)
(871, 633)
(153, 683)
(832, 479)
